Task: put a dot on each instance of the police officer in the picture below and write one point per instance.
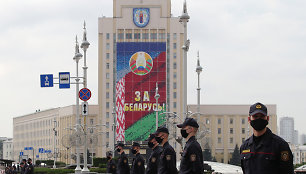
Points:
(264, 152)
(167, 161)
(23, 166)
(138, 161)
(192, 157)
(30, 167)
(111, 166)
(123, 164)
(154, 157)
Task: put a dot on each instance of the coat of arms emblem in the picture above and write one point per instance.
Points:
(141, 17)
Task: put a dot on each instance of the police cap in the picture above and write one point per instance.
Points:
(258, 108)
(162, 129)
(189, 122)
(151, 136)
(135, 144)
(120, 144)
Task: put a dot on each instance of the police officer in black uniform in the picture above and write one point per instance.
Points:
(192, 157)
(138, 161)
(111, 166)
(154, 157)
(167, 161)
(30, 167)
(123, 164)
(24, 165)
(264, 152)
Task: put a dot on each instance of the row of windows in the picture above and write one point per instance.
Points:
(144, 36)
(108, 55)
(231, 121)
(231, 131)
(38, 124)
(231, 140)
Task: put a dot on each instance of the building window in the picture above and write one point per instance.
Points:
(107, 105)
(174, 55)
(174, 36)
(145, 35)
(91, 121)
(107, 124)
(243, 139)
(231, 120)
(107, 144)
(231, 131)
(128, 35)
(107, 55)
(243, 130)
(231, 140)
(243, 121)
(174, 75)
(174, 45)
(153, 35)
(174, 85)
(107, 85)
(207, 121)
(107, 114)
(174, 65)
(107, 65)
(174, 94)
(219, 120)
(107, 134)
(120, 36)
(219, 140)
(107, 75)
(107, 36)
(136, 35)
(219, 130)
(174, 104)
(91, 131)
(107, 46)
(107, 94)
(162, 36)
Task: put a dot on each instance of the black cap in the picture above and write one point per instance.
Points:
(189, 122)
(135, 144)
(258, 108)
(109, 154)
(162, 129)
(151, 136)
(29, 159)
(120, 144)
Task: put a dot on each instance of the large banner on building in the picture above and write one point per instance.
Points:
(140, 65)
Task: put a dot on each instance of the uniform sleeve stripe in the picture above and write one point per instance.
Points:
(267, 153)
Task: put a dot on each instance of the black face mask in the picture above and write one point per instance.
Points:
(134, 151)
(184, 133)
(159, 140)
(118, 150)
(108, 158)
(150, 144)
(259, 124)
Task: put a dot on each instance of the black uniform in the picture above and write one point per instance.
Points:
(267, 154)
(153, 161)
(138, 165)
(111, 167)
(192, 158)
(29, 169)
(167, 162)
(23, 169)
(123, 164)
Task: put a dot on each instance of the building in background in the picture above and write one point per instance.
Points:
(34, 135)
(8, 149)
(139, 46)
(287, 129)
(303, 139)
(296, 137)
(1, 145)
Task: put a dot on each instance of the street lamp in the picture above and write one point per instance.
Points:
(184, 19)
(198, 70)
(85, 44)
(156, 97)
(114, 128)
(54, 143)
(76, 58)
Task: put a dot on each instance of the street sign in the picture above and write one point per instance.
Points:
(85, 108)
(84, 94)
(37, 156)
(47, 151)
(41, 150)
(28, 148)
(20, 153)
(46, 80)
(64, 80)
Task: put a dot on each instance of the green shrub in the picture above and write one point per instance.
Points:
(98, 170)
(98, 161)
(39, 170)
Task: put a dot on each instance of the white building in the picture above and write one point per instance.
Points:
(8, 149)
(296, 137)
(299, 153)
(287, 129)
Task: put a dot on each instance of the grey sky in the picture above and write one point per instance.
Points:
(250, 50)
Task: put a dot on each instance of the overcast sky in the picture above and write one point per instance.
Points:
(251, 51)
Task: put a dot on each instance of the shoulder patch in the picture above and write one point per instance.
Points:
(139, 163)
(246, 151)
(168, 157)
(193, 157)
(125, 161)
(285, 155)
(153, 160)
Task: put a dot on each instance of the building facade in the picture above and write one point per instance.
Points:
(140, 47)
(287, 129)
(8, 149)
(42, 133)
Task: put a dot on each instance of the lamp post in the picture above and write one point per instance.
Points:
(198, 70)
(184, 19)
(114, 129)
(76, 58)
(156, 97)
(85, 44)
(54, 143)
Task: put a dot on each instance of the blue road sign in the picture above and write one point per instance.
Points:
(41, 150)
(64, 80)
(37, 156)
(84, 94)
(30, 148)
(25, 148)
(20, 153)
(46, 80)
(47, 151)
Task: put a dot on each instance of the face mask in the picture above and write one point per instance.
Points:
(184, 133)
(159, 140)
(118, 150)
(108, 158)
(134, 151)
(259, 124)
(150, 144)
